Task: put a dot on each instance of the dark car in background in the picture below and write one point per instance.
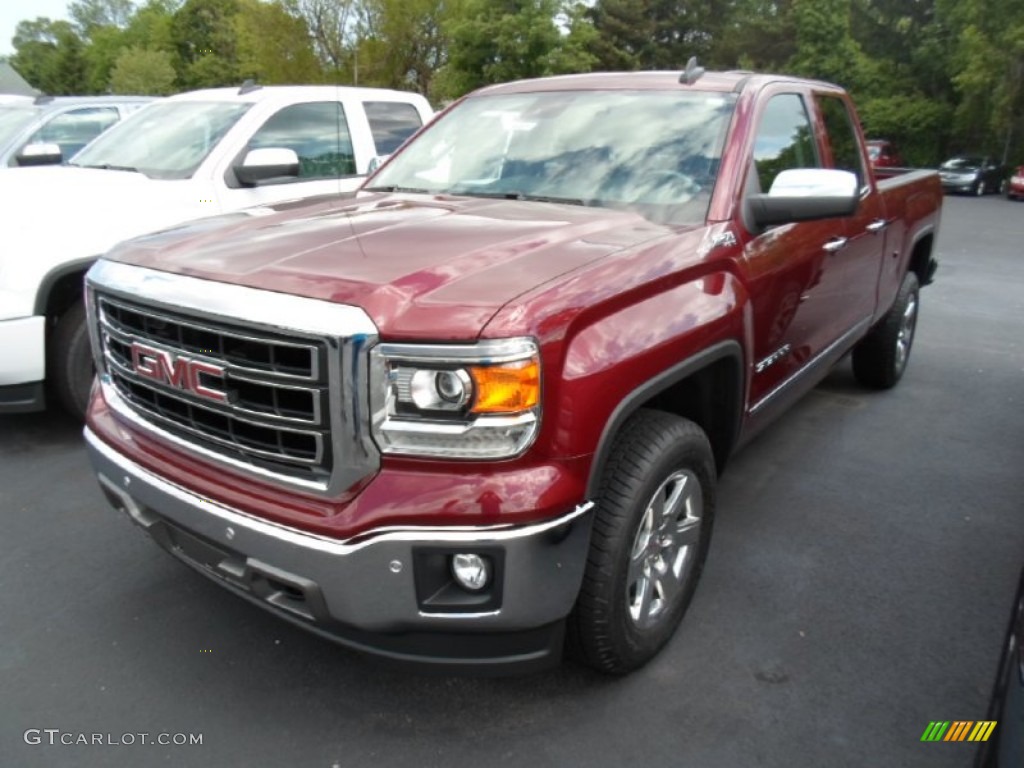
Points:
(51, 129)
(1015, 184)
(1006, 747)
(883, 154)
(972, 174)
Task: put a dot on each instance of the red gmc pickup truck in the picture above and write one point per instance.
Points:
(476, 412)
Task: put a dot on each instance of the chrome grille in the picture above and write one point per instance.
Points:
(259, 397)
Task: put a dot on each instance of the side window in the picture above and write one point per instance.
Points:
(784, 139)
(391, 123)
(75, 128)
(319, 135)
(842, 137)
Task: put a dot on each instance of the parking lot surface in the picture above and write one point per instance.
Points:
(859, 581)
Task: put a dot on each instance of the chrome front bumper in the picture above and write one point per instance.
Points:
(375, 592)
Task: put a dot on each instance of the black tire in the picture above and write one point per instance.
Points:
(656, 456)
(70, 361)
(881, 357)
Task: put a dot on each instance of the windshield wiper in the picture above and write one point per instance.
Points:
(109, 167)
(393, 188)
(519, 196)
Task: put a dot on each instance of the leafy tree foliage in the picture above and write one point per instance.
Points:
(935, 76)
(142, 72)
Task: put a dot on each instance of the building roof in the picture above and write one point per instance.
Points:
(13, 83)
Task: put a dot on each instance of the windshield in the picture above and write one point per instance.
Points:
(962, 164)
(13, 119)
(653, 152)
(167, 140)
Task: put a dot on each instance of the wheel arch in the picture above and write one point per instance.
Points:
(61, 287)
(921, 262)
(707, 388)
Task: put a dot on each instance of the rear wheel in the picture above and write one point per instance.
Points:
(651, 533)
(70, 364)
(880, 359)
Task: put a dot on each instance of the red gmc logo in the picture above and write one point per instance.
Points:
(177, 370)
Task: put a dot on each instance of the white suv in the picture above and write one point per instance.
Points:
(189, 156)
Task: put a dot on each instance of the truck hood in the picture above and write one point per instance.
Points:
(421, 267)
(54, 216)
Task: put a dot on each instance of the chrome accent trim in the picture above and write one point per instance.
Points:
(835, 245)
(877, 226)
(485, 352)
(774, 357)
(858, 329)
(346, 332)
(234, 517)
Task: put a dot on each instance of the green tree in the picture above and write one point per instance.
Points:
(143, 72)
(96, 14)
(501, 40)
(273, 45)
(204, 36)
(334, 25)
(404, 42)
(654, 34)
(758, 35)
(826, 48)
(49, 55)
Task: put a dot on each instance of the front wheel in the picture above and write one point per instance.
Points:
(979, 188)
(70, 364)
(880, 358)
(652, 528)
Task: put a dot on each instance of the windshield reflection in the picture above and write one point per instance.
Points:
(168, 140)
(652, 152)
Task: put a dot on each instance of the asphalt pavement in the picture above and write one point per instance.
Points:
(859, 582)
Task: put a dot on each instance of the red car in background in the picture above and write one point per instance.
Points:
(1015, 186)
(883, 154)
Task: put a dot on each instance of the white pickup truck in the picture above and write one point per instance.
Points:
(186, 157)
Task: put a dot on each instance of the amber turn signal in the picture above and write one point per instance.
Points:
(510, 388)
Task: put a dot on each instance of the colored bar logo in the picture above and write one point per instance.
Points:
(958, 730)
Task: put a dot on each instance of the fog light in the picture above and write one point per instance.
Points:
(473, 572)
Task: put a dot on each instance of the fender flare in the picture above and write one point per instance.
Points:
(723, 350)
(56, 274)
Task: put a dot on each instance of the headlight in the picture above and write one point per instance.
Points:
(469, 401)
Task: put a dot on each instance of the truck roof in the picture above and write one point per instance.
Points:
(725, 82)
(291, 93)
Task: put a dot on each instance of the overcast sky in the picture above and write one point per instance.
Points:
(13, 11)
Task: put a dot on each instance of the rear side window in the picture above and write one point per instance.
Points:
(842, 136)
(784, 139)
(391, 123)
(318, 133)
(74, 129)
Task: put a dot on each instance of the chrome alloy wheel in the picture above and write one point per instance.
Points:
(905, 337)
(664, 548)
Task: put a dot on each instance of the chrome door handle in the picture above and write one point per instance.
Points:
(877, 226)
(835, 245)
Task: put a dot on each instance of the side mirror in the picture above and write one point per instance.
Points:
(376, 162)
(40, 154)
(806, 194)
(267, 164)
